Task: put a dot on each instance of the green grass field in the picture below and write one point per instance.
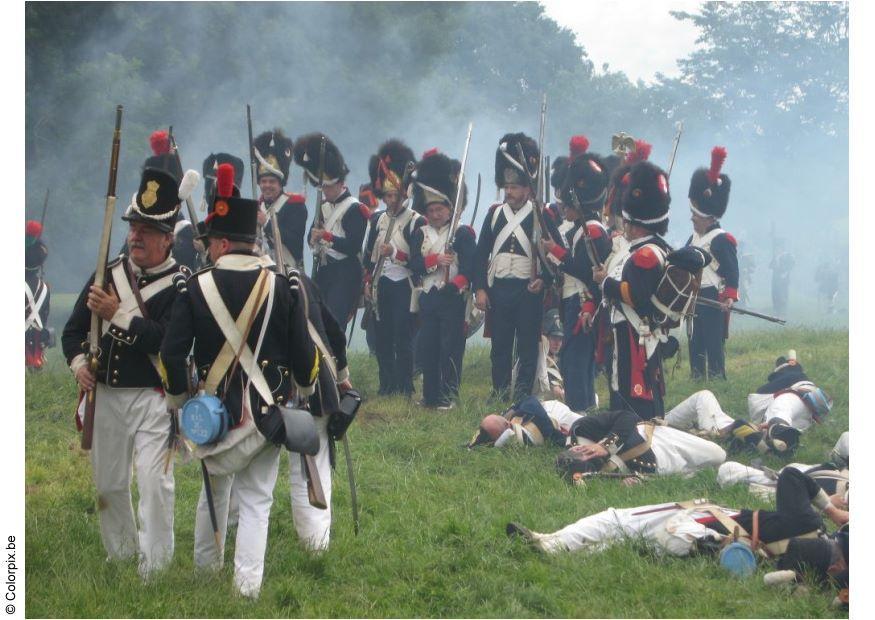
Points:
(432, 540)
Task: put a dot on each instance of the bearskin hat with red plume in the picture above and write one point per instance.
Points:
(231, 216)
(387, 167)
(35, 251)
(509, 168)
(619, 170)
(210, 167)
(273, 152)
(709, 188)
(586, 176)
(433, 180)
(645, 198)
(162, 158)
(307, 156)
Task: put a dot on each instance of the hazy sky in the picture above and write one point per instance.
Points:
(637, 37)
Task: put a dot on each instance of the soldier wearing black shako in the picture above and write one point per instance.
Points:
(709, 196)
(388, 282)
(589, 245)
(338, 229)
(446, 266)
(273, 151)
(509, 278)
(130, 417)
(252, 350)
(637, 381)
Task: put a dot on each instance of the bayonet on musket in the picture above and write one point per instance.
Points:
(457, 209)
(476, 201)
(318, 216)
(674, 149)
(100, 278)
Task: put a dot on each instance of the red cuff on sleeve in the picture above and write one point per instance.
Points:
(460, 281)
(431, 261)
(327, 236)
(589, 306)
(729, 293)
(401, 256)
(559, 252)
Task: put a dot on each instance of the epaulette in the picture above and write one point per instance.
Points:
(645, 258)
(595, 231)
(470, 229)
(180, 281)
(731, 239)
(494, 205)
(366, 213)
(296, 197)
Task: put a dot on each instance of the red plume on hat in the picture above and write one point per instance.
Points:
(225, 180)
(577, 146)
(641, 152)
(430, 152)
(160, 142)
(33, 229)
(718, 156)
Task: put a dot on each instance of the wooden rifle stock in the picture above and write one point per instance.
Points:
(318, 217)
(99, 280)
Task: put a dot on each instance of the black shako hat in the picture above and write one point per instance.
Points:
(387, 167)
(586, 176)
(307, 156)
(273, 151)
(618, 169)
(231, 216)
(211, 164)
(709, 189)
(433, 180)
(646, 197)
(509, 168)
(157, 201)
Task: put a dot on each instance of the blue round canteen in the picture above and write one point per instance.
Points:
(204, 419)
(738, 559)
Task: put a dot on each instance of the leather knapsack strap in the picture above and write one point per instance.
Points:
(259, 296)
(231, 329)
(617, 461)
(135, 289)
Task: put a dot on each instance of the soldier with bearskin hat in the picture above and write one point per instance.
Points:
(273, 151)
(130, 418)
(509, 279)
(583, 191)
(339, 227)
(637, 381)
(446, 267)
(388, 283)
(37, 297)
(252, 349)
(709, 196)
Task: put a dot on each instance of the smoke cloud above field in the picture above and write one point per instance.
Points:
(364, 72)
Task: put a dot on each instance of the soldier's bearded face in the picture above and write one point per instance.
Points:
(270, 187)
(516, 195)
(147, 245)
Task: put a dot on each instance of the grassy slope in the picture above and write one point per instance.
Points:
(433, 516)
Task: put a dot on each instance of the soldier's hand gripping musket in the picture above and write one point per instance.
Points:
(100, 278)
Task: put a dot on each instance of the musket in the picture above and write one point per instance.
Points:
(42, 219)
(546, 179)
(457, 208)
(476, 201)
(189, 204)
(674, 150)
(579, 479)
(353, 496)
(99, 279)
(318, 217)
(211, 507)
(253, 164)
(589, 244)
(710, 303)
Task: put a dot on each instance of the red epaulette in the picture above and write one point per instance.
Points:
(469, 228)
(595, 231)
(366, 213)
(731, 239)
(645, 258)
(296, 197)
(492, 208)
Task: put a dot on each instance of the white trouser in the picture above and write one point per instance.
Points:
(700, 411)
(843, 446)
(253, 486)
(678, 452)
(130, 434)
(672, 531)
(312, 524)
(734, 473)
(789, 408)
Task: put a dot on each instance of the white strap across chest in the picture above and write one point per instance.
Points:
(233, 332)
(34, 305)
(278, 204)
(512, 227)
(402, 220)
(127, 300)
(337, 213)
